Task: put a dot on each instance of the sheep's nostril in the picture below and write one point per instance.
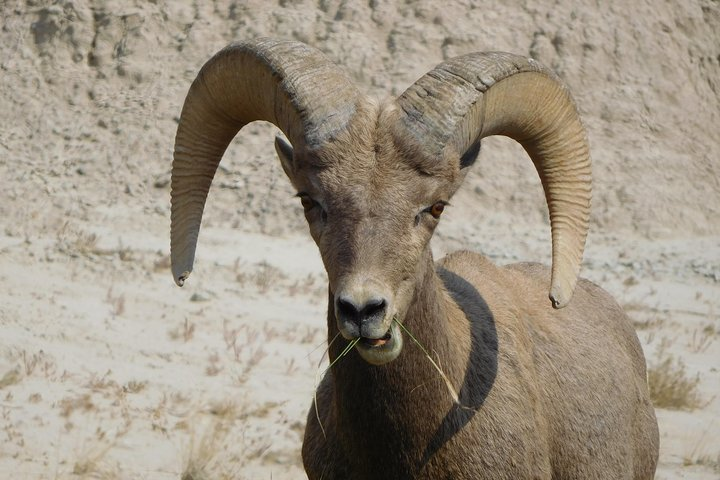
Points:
(359, 314)
(347, 308)
(375, 306)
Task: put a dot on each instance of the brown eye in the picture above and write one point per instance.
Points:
(437, 209)
(307, 202)
(309, 205)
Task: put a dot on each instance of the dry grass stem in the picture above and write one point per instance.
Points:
(670, 386)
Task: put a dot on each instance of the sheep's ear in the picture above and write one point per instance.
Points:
(469, 157)
(285, 154)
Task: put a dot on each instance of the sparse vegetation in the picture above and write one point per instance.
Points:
(645, 317)
(647, 323)
(92, 462)
(82, 402)
(710, 329)
(205, 447)
(290, 367)
(701, 340)
(227, 409)
(698, 455)
(709, 461)
(307, 286)
(161, 263)
(134, 386)
(184, 331)
(214, 366)
(630, 281)
(11, 377)
(247, 351)
(74, 241)
(116, 302)
(670, 387)
(263, 275)
(99, 383)
(27, 364)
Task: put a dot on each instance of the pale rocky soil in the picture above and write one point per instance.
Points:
(107, 370)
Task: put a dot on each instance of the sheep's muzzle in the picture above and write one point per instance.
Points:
(379, 351)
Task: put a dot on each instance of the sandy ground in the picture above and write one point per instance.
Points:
(108, 370)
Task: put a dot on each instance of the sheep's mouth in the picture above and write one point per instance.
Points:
(376, 342)
(379, 351)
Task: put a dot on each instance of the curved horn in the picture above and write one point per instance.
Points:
(473, 96)
(287, 83)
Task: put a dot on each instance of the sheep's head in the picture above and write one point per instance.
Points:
(372, 205)
(374, 179)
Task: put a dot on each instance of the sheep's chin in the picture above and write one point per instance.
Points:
(385, 353)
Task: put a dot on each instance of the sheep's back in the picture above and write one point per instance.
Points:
(583, 364)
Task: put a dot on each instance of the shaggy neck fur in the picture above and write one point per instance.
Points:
(393, 419)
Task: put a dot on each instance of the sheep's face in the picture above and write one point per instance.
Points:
(372, 209)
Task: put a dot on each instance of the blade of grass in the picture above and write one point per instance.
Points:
(451, 389)
(317, 383)
(320, 345)
(347, 349)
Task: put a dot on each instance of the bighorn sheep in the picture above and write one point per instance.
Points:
(542, 392)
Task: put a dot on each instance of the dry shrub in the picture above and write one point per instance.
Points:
(73, 241)
(264, 276)
(92, 465)
(162, 263)
(12, 377)
(206, 455)
(134, 386)
(670, 386)
(200, 462)
(184, 331)
(116, 302)
(82, 402)
(707, 461)
(699, 455)
(702, 339)
(93, 462)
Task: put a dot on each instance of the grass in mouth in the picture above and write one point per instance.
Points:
(345, 351)
(448, 384)
(351, 345)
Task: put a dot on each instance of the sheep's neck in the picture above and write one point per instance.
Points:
(400, 407)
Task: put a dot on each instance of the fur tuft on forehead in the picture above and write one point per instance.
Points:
(377, 140)
(357, 142)
(442, 162)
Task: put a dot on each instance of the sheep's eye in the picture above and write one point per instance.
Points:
(307, 202)
(309, 205)
(437, 209)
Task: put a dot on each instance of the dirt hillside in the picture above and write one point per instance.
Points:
(91, 90)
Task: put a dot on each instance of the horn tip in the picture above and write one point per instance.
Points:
(559, 297)
(180, 279)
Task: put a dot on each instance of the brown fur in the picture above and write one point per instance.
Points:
(544, 393)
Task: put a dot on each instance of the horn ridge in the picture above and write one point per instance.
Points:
(494, 93)
(288, 83)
